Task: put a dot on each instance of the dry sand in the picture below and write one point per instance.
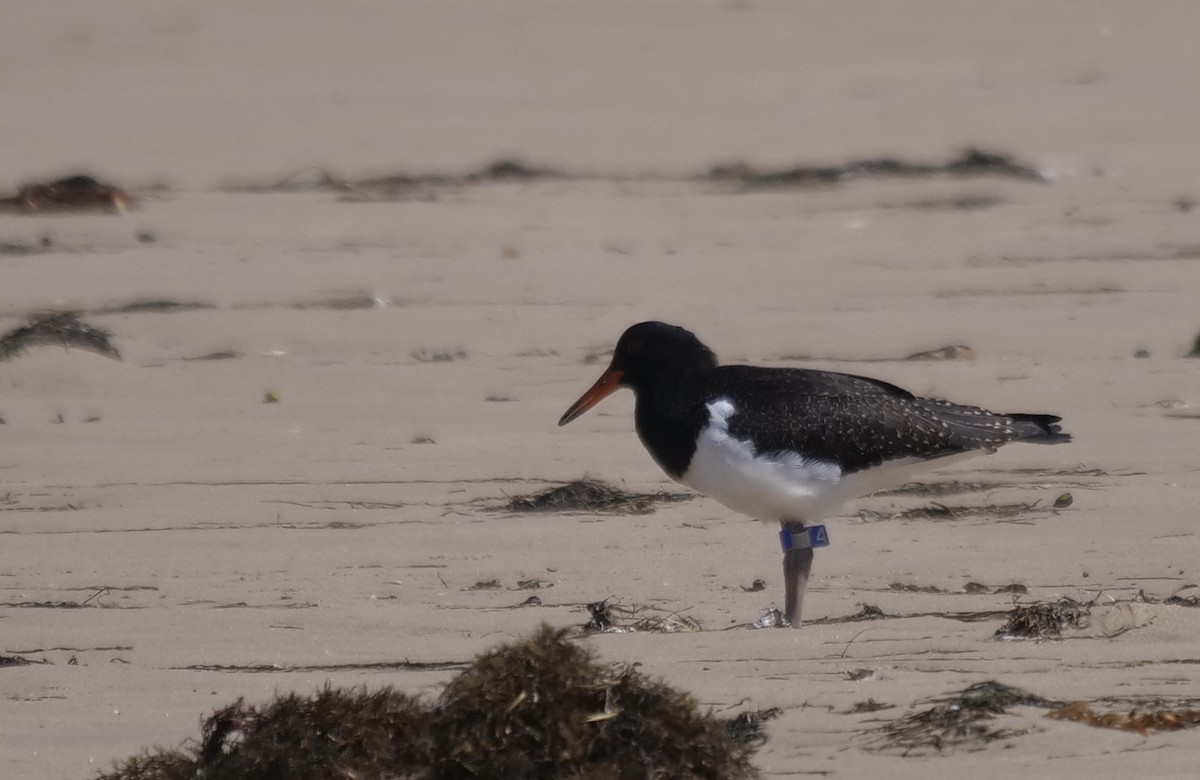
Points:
(218, 546)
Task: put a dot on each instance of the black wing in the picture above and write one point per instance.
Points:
(860, 422)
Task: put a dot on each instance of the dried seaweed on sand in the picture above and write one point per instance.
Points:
(73, 193)
(57, 328)
(1044, 620)
(965, 719)
(615, 618)
(1142, 721)
(591, 495)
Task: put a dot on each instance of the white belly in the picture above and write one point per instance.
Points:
(784, 486)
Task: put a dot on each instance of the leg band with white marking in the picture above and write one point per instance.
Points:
(813, 536)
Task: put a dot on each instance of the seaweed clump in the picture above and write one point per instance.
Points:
(610, 617)
(1044, 620)
(590, 495)
(539, 708)
(337, 733)
(545, 708)
(74, 193)
(57, 328)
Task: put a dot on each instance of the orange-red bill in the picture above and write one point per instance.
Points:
(608, 383)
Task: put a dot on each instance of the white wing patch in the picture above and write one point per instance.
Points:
(786, 485)
(777, 487)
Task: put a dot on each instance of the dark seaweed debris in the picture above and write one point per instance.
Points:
(937, 512)
(336, 733)
(609, 616)
(153, 306)
(963, 719)
(406, 183)
(747, 728)
(1044, 620)
(538, 708)
(74, 193)
(972, 162)
(546, 708)
(415, 185)
(57, 328)
(591, 495)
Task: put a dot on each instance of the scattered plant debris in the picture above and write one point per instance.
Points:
(533, 584)
(1141, 721)
(438, 356)
(611, 617)
(953, 352)
(221, 355)
(7, 248)
(869, 706)
(271, 396)
(978, 587)
(485, 585)
(57, 328)
(74, 193)
(868, 612)
(538, 708)
(746, 728)
(966, 202)
(13, 660)
(1044, 620)
(591, 495)
(931, 489)
(155, 306)
(959, 720)
(425, 186)
(906, 587)
(755, 587)
(404, 184)
(936, 511)
(972, 162)
(421, 438)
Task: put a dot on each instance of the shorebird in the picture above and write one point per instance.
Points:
(789, 445)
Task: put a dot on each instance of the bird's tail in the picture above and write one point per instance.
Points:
(1039, 428)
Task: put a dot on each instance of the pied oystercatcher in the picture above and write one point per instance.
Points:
(789, 444)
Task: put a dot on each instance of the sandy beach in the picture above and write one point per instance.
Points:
(317, 226)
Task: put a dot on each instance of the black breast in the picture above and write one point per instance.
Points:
(669, 416)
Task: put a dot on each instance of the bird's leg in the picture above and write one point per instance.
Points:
(797, 565)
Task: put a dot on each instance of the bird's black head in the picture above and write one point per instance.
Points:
(645, 354)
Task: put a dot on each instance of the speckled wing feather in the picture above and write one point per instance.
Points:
(860, 422)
